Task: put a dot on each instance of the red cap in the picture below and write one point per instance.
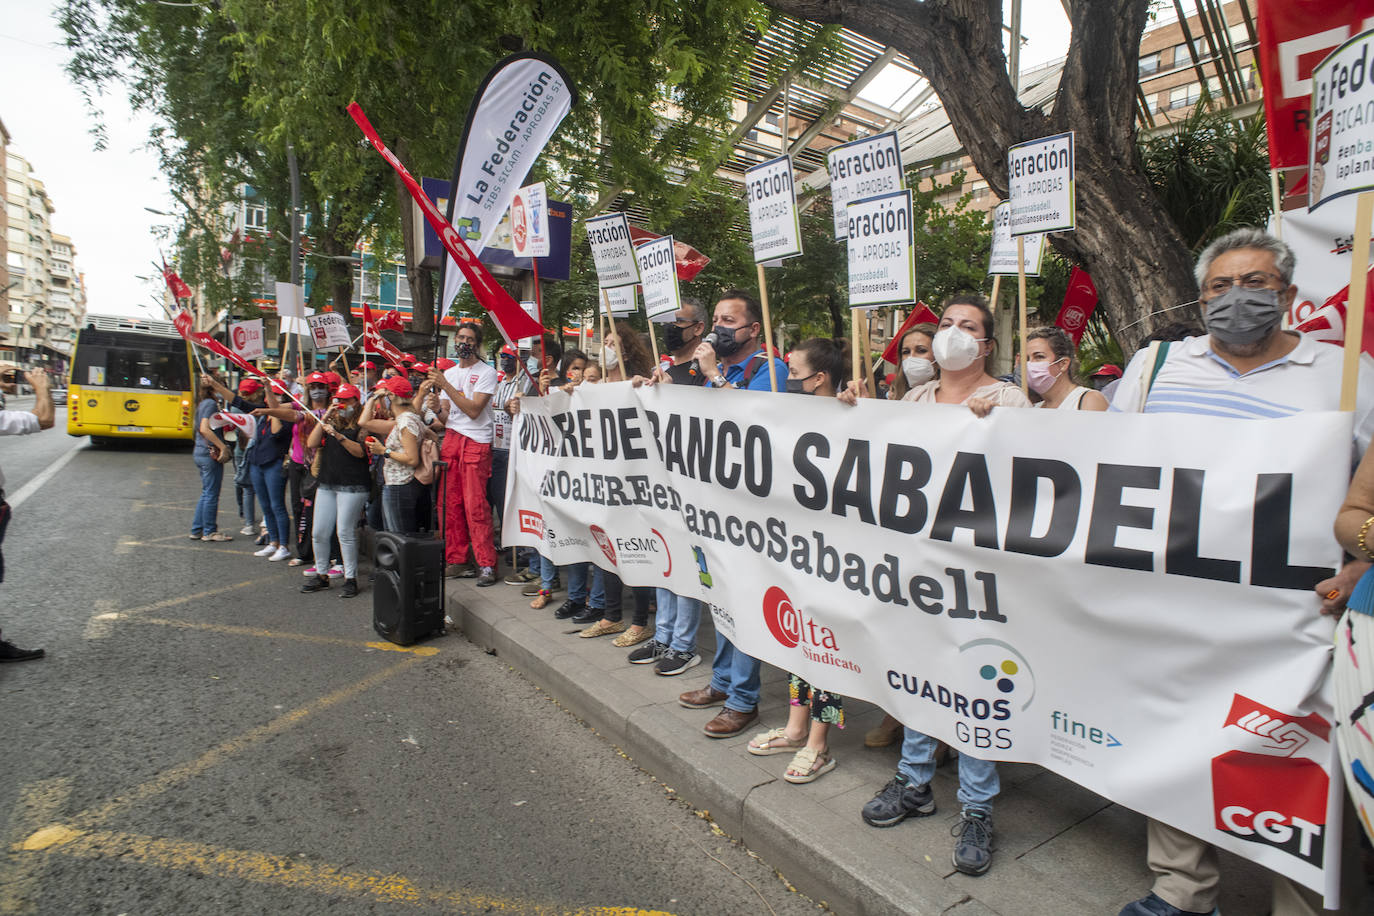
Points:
(279, 387)
(345, 392)
(444, 363)
(316, 378)
(368, 364)
(508, 350)
(420, 367)
(1109, 369)
(249, 386)
(335, 379)
(409, 358)
(398, 385)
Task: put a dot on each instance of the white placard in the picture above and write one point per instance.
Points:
(1003, 259)
(531, 309)
(1341, 154)
(773, 220)
(882, 266)
(863, 168)
(297, 326)
(245, 338)
(623, 301)
(658, 277)
(290, 300)
(328, 330)
(1040, 182)
(529, 222)
(612, 251)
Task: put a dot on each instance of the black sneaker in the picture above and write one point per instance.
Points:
(676, 662)
(973, 848)
(487, 577)
(897, 801)
(648, 653)
(588, 615)
(9, 652)
(315, 584)
(569, 608)
(350, 589)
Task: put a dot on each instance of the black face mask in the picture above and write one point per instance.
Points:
(726, 344)
(508, 366)
(796, 385)
(674, 337)
(466, 350)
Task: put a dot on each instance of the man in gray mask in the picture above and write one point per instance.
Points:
(1246, 366)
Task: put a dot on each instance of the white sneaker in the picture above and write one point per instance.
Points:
(281, 554)
(336, 571)
(309, 571)
(248, 529)
(266, 551)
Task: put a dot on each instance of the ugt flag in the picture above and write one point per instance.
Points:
(1079, 302)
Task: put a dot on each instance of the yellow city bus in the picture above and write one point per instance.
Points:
(130, 379)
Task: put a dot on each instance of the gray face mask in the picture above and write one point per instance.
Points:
(1242, 316)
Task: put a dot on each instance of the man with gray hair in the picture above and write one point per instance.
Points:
(1246, 366)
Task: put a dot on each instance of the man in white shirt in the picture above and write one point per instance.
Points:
(20, 423)
(1247, 367)
(465, 410)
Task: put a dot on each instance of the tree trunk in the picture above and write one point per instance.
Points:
(421, 280)
(837, 328)
(1124, 239)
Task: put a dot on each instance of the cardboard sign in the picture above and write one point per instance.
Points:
(658, 278)
(1003, 259)
(328, 330)
(531, 309)
(1341, 154)
(290, 300)
(882, 265)
(623, 301)
(612, 252)
(863, 168)
(773, 220)
(1040, 178)
(245, 338)
(529, 222)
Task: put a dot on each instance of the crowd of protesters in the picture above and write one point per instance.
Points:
(361, 454)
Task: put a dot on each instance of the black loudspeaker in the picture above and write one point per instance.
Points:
(407, 595)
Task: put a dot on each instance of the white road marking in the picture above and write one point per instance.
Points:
(101, 623)
(49, 473)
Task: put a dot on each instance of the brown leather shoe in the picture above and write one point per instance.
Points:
(704, 698)
(730, 723)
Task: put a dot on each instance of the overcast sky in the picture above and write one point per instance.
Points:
(100, 196)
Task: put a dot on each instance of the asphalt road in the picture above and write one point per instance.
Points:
(202, 738)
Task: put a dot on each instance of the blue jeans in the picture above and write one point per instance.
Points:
(269, 483)
(735, 674)
(547, 572)
(337, 510)
(677, 621)
(978, 782)
(211, 476)
(399, 506)
(579, 576)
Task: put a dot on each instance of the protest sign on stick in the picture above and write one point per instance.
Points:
(328, 330)
(862, 168)
(246, 338)
(1003, 258)
(614, 256)
(658, 279)
(775, 231)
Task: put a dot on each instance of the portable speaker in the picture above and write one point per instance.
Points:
(407, 595)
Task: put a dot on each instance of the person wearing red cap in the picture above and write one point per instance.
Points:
(402, 494)
(368, 371)
(465, 410)
(300, 483)
(264, 460)
(345, 481)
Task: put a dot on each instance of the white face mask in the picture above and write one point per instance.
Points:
(612, 358)
(955, 348)
(918, 370)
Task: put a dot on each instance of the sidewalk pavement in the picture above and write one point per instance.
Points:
(1060, 849)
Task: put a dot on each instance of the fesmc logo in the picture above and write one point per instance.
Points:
(791, 627)
(635, 551)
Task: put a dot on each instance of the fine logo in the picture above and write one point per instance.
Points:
(240, 337)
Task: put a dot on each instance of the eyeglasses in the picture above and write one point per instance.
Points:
(1257, 280)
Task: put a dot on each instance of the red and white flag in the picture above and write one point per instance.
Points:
(241, 422)
(921, 314)
(390, 320)
(374, 342)
(686, 260)
(177, 285)
(1327, 321)
(1079, 301)
(183, 322)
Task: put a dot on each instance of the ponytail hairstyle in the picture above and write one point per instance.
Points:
(828, 355)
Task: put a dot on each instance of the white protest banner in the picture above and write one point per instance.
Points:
(612, 251)
(246, 338)
(773, 220)
(1341, 155)
(532, 309)
(298, 326)
(514, 113)
(863, 168)
(623, 301)
(1003, 260)
(1125, 599)
(328, 330)
(658, 278)
(529, 222)
(1040, 182)
(290, 300)
(882, 264)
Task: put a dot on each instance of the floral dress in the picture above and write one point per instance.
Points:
(825, 706)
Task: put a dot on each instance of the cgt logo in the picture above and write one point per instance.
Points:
(531, 523)
(604, 542)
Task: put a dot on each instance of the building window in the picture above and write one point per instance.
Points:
(1185, 96)
(59, 248)
(1149, 64)
(15, 261)
(254, 217)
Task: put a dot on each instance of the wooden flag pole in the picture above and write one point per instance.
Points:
(767, 331)
(610, 323)
(1355, 304)
(996, 291)
(1021, 306)
(539, 309)
(343, 355)
(855, 360)
(1278, 203)
(653, 342)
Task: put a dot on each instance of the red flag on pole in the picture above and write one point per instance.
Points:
(390, 321)
(1079, 302)
(177, 285)
(921, 314)
(183, 322)
(374, 342)
(1326, 323)
(687, 260)
(505, 310)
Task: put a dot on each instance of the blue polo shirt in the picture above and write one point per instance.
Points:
(735, 374)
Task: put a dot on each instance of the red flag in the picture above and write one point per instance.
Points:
(688, 261)
(1327, 322)
(390, 321)
(505, 310)
(242, 422)
(182, 320)
(374, 342)
(1079, 302)
(177, 285)
(921, 314)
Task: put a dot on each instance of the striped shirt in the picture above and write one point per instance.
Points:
(1196, 380)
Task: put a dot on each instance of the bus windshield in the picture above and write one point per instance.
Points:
(111, 359)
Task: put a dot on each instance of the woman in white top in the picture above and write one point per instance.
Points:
(1049, 367)
(401, 494)
(963, 347)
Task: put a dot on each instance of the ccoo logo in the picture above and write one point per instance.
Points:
(604, 542)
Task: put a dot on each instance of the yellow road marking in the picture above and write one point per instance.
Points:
(423, 651)
(21, 877)
(182, 772)
(141, 504)
(282, 871)
(101, 623)
(186, 599)
(195, 547)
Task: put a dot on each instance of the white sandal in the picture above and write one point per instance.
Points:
(773, 741)
(812, 765)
